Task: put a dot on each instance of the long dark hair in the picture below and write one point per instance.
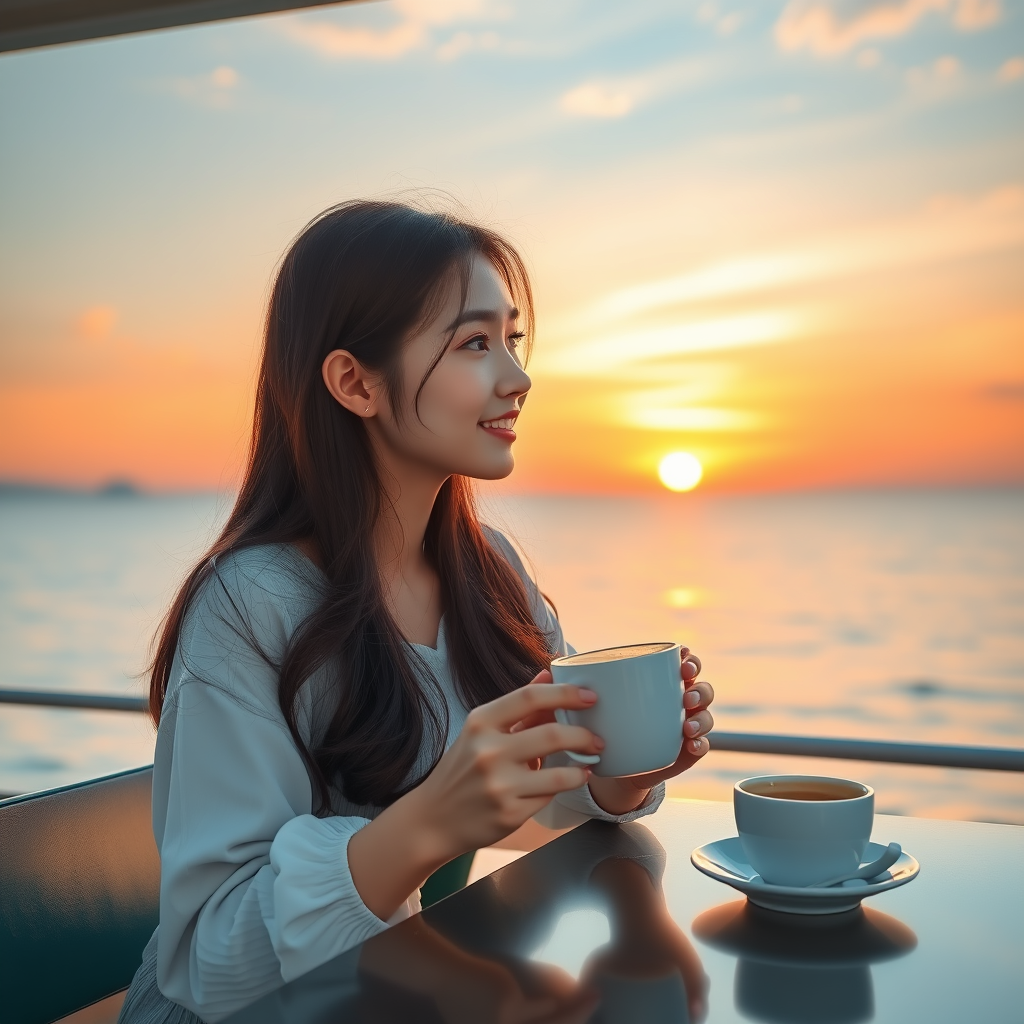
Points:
(362, 276)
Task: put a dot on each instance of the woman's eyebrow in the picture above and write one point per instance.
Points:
(472, 315)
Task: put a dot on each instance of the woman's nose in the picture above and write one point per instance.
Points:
(515, 380)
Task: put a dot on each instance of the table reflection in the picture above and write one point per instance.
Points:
(580, 936)
(793, 968)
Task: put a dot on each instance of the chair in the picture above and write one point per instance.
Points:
(79, 894)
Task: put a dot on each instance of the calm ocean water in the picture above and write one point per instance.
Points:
(889, 615)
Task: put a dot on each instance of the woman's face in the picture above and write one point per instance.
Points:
(465, 419)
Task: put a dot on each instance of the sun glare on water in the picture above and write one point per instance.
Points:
(680, 471)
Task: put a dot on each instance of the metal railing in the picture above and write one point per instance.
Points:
(940, 755)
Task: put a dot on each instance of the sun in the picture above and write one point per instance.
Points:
(680, 471)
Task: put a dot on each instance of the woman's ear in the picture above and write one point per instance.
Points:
(349, 383)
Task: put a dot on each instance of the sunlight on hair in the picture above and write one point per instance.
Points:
(680, 471)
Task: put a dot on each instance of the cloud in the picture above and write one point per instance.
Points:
(467, 42)
(974, 14)
(595, 357)
(724, 24)
(950, 228)
(339, 38)
(333, 40)
(937, 79)
(730, 278)
(594, 99)
(617, 97)
(1005, 391)
(1012, 70)
(690, 418)
(831, 27)
(214, 89)
(96, 322)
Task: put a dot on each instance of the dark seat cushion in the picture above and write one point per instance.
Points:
(79, 894)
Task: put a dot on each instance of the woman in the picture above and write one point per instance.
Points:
(340, 685)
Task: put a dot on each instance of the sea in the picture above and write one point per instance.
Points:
(877, 615)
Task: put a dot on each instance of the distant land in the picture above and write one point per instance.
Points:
(113, 488)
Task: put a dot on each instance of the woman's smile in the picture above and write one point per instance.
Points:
(503, 426)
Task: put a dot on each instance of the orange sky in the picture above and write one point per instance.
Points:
(800, 299)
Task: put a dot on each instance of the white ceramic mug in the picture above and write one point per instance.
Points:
(803, 829)
(639, 709)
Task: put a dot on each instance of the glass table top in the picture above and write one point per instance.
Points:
(612, 925)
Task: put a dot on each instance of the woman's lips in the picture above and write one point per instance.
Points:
(502, 426)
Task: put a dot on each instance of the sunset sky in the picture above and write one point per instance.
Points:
(787, 237)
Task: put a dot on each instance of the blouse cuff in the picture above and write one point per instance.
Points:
(318, 912)
(569, 809)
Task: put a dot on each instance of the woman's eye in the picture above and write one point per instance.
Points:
(476, 344)
(514, 339)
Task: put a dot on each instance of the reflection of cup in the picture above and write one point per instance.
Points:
(639, 710)
(802, 829)
(794, 968)
(624, 1000)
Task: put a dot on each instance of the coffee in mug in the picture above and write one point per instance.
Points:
(802, 829)
(639, 709)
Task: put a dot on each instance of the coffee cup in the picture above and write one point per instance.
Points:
(639, 709)
(799, 830)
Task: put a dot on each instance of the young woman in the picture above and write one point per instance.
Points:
(341, 685)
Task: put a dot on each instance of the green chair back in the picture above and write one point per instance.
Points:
(79, 894)
(446, 880)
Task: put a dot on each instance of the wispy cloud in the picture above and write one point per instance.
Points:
(340, 37)
(333, 40)
(215, 89)
(692, 419)
(96, 322)
(949, 228)
(596, 357)
(1012, 70)
(724, 22)
(940, 78)
(831, 27)
(616, 97)
(467, 42)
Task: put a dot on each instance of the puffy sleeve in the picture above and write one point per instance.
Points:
(577, 805)
(254, 890)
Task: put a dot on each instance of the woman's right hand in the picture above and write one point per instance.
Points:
(488, 783)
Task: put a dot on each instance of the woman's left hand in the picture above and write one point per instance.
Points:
(617, 796)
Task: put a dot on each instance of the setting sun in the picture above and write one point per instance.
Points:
(680, 471)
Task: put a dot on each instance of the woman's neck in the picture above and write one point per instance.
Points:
(410, 581)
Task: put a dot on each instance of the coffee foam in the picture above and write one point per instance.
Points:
(614, 654)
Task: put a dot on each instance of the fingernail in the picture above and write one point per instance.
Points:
(691, 699)
(587, 696)
(693, 727)
(698, 746)
(598, 743)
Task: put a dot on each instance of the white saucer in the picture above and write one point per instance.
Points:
(725, 862)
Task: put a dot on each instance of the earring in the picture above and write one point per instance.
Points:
(367, 406)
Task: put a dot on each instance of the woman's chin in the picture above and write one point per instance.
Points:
(492, 469)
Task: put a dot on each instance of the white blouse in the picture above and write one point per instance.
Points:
(255, 889)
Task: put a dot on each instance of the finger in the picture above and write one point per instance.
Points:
(551, 737)
(699, 724)
(690, 666)
(532, 720)
(697, 748)
(549, 781)
(698, 696)
(504, 712)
